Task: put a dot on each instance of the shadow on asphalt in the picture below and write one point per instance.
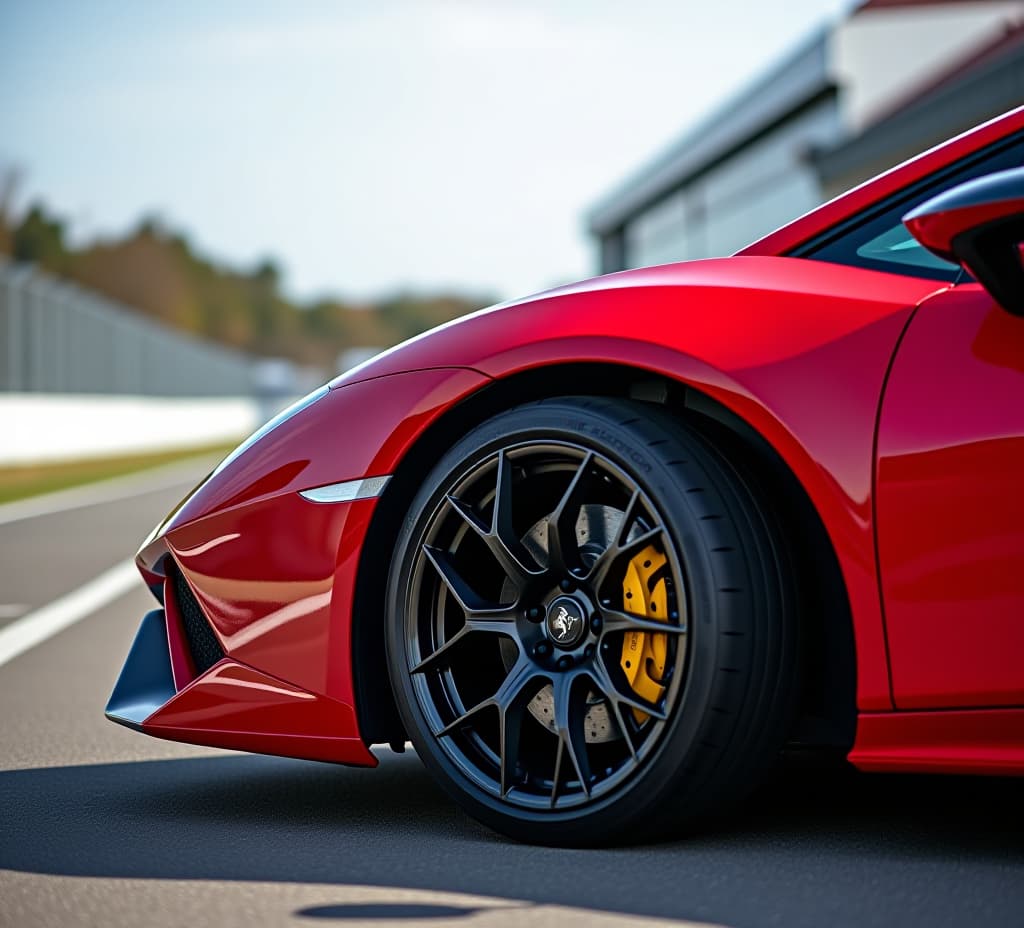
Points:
(812, 847)
(386, 912)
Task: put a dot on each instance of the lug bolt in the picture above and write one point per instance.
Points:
(564, 663)
(542, 649)
(533, 614)
(567, 586)
(595, 624)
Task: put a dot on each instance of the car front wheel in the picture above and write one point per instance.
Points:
(590, 624)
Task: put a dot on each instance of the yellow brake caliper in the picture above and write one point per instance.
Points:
(643, 653)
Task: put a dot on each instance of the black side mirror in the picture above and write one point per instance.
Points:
(979, 225)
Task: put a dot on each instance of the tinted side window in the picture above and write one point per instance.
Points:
(877, 239)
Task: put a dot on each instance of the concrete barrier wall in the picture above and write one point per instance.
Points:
(36, 427)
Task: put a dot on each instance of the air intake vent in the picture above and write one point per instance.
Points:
(202, 642)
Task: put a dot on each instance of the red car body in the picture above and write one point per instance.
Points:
(893, 400)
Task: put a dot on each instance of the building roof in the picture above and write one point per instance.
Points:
(798, 79)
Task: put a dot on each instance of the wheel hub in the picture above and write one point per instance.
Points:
(643, 655)
(595, 527)
(566, 622)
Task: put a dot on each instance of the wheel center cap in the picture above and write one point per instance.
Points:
(566, 622)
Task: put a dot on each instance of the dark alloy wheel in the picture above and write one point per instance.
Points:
(557, 614)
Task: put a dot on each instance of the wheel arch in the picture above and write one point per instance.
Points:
(828, 701)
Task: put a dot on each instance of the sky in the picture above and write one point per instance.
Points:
(368, 146)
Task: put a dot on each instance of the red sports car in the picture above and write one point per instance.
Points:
(602, 553)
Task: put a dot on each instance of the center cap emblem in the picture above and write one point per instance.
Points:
(566, 623)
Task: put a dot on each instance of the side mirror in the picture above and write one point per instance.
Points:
(979, 225)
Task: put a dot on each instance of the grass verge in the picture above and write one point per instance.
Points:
(24, 481)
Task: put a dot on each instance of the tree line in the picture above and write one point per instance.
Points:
(157, 272)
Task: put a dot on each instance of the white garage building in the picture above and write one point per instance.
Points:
(891, 79)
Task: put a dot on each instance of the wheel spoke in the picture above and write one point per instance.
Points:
(605, 683)
(500, 622)
(563, 550)
(510, 725)
(505, 537)
(616, 710)
(621, 547)
(507, 696)
(479, 616)
(441, 656)
(467, 599)
(570, 717)
(465, 717)
(511, 715)
(616, 620)
(556, 778)
(499, 535)
(471, 604)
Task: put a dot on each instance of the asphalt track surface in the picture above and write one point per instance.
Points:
(101, 826)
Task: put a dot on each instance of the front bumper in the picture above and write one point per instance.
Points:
(228, 705)
(267, 551)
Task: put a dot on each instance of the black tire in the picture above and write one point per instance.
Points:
(728, 681)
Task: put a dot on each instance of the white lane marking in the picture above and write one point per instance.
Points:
(12, 610)
(108, 491)
(36, 627)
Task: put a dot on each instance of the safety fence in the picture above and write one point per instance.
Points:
(56, 337)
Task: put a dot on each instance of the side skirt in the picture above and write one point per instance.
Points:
(985, 741)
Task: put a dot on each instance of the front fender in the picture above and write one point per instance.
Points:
(798, 349)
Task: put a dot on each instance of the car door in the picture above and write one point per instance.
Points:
(948, 496)
(949, 505)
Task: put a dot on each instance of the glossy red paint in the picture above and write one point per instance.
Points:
(264, 573)
(950, 506)
(862, 197)
(235, 706)
(966, 741)
(802, 351)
